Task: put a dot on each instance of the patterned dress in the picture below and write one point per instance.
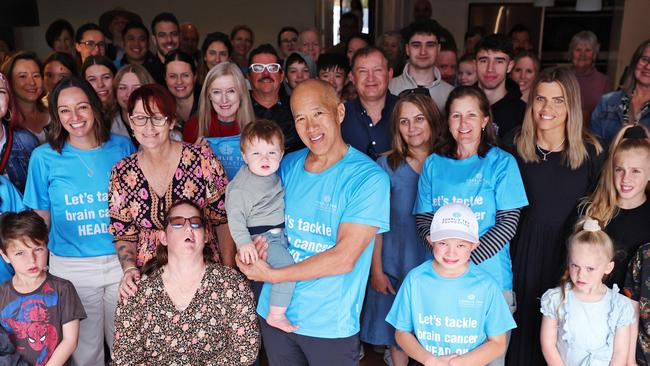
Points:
(219, 327)
(137, 212)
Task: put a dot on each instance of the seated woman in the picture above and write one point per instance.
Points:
(19, 142)
(24, 72)
(225, 105)
(145, 184)
(188, 309)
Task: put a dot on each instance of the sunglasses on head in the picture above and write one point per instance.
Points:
(419, 90)
(178, 222)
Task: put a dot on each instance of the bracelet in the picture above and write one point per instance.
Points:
(130, 268)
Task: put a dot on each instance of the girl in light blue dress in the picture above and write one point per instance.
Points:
(586, 323)
(416, 125)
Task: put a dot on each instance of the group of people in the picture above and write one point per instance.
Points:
(184, 205)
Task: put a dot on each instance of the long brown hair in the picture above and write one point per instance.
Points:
(574, 152)
(602, 204)
(161, 257)
(432, 114)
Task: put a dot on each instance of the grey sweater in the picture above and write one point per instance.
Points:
(251, 201)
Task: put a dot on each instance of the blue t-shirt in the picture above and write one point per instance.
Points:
(353, 190)
(10, 201)
(73, 187)
(450, 315)
(228, 152)
(485, 185)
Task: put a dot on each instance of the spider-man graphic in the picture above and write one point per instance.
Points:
(27, 318)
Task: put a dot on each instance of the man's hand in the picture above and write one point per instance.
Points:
(258, 271)
(381, 283)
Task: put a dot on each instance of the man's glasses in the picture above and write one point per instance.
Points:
(92, 44)
(141, 120)
(259, 68)
(178, 222)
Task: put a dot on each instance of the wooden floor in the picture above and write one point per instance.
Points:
(370, 359)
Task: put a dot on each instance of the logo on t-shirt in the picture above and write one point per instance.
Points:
(226, 149)
(326, 204)
(470, 301)
(475, 180)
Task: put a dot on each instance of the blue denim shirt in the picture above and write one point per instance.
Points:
(21, 149)
(607, 118)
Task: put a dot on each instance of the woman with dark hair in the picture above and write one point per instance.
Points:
(416, 125)
(188, 309)
(67, 185)
(100, 71)
(560, 163)
(90, 41)
(242, 38)
(24, 71)
(16, 144)
(57, 66)
(216, 49)
(60, 36)
(180, 76)
(468, 168)
(145, 184)
(629, 105)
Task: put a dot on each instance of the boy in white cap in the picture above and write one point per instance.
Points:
(447, 311)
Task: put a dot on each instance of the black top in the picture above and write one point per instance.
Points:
(153, 65)
(358, 130)
(629, 229)
(508, 112)
(280, 113)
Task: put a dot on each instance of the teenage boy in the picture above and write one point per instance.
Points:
(465, 320)
(494, 61)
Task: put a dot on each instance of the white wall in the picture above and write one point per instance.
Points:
(264, 17)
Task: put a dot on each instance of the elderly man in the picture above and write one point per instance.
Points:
(336, 201)
(367, 118)
(265, 75)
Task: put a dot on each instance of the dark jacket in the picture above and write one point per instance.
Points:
(23, 142)
(508, 112)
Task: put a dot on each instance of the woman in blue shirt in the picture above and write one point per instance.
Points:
(67, 184)
(467, 168)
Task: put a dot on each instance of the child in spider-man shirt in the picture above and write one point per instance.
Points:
(40, 312)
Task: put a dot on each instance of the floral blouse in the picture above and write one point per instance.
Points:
(219, 327)
(137, 212)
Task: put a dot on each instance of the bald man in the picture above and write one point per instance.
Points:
(189, 40)
(336, 201)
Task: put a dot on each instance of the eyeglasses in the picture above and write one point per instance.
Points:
(259, 68)
(141, 120)
(644, 61)
(419, 90)
(93, 44)
(178, 222)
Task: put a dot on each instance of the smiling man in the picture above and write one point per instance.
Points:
(367, 118)
(265, 75)
(493, 64)
(422, 49)
(336, 201)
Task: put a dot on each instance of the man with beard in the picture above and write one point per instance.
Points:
(166, 38)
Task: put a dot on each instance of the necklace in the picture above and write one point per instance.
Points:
(89, 171)
(544, 155)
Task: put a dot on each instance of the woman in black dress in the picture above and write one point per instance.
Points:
(559, 163)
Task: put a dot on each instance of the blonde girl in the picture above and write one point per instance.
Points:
(585, 322)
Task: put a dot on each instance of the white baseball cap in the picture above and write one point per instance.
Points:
(456, 221)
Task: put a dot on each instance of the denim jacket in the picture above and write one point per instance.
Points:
(21, 149)
(607, 118)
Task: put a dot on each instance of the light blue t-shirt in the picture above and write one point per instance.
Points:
(10, 201)
(73, 187)
(228, 152)
(485, 185)
(354, 190)
(450, 315)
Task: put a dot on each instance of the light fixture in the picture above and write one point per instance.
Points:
(589, 5)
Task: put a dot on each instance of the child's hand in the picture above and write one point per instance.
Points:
(248, 254)
(439, 360)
